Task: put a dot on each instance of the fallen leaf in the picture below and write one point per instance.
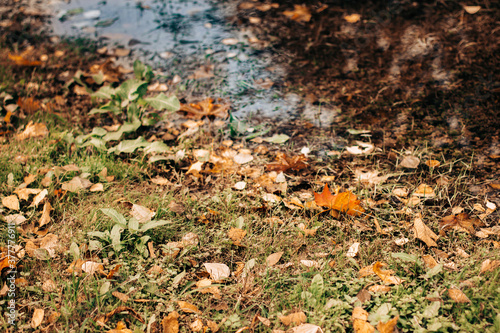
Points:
(285, 164)
(389, 326)
(472, 9)
(353, 250)
(307, 328)
(45, 219)
(120, 328)
(11, 202)
(429, 261)
(32, 130)
(386, 276)
(366, 271)
(361, 148)
(97, 188)
(460, 222)
(28, 105)
(19, 60)
(92, 267)
(236, 234)
(424, 233)
(141, 213)
(489, 265)
(242, 158)
(121, 296)
(37, 318)
(410, 162)
(300, 13)
(240, 185)
(212, 325)
(229, 41)
(432, 163)
(205, 108)
(170, 324)
(39, 198)
(458, 296)
(76, 184)
(274, 258)
(24, 193)
(353, 18)
(295, 318)
(217, 271)
(196, 325)
(204, 286)
(379, 288)
(188, 307)
(424, 191)
(360, 322)
(310, 263)
(176, 207)
(369, 178)
(49, 286)
(400, 192)
(342, 202)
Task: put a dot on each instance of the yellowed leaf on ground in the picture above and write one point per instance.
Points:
(432, 163)
(389, 326)
(369, 178)
(429, 261)
(39, 198)
(295, 318)
(217, 271)
(424, 191)
(188, 307)
(410, 162)
(170, 324)
(458, 296)
(196, 325)
(120, 328)
(489, 265)
(307, 328)
(378, 288)
(236, 234)
(49, 286)
(310, 263)
(353, 250)
(121, 296)
(32, 130)
(141, 213)
(45, 219)
(353, 18)
(92, 267)
(386, 276)
(362, 148)
(11, 202)
(424, 233)
(274, 258)
(37, 318)
(360, 321)
(472, 9)
(99, 187)
(307, 232)
(204, 287)
(366, 271)
(264, 321)
(300, 13)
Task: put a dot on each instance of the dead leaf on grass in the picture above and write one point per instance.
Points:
(369, 178)
(386, 276)
(38, 130)
(429, 261)
(410, 162)
(121, 327)
(188, 307)
(205, 108)
(295, 318)
(141, 213)
(389, 326)
(11, 202)
(307, 328)
(424, 233)
(432, 163)
(378, 288)
(274, 258)
(343, 202)
(361, 148)
(37, 318)
(236, 234)
(300, 13)
(353, 250)
(458, 296)
(460, 222)
(217, 271)
(360, 322)
(170, 324)
(424, 191)
(489, 265)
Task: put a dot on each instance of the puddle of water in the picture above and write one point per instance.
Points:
(177, 37)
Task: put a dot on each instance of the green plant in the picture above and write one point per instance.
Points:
(124, 234)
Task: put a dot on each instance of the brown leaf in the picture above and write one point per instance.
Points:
(37, 318)
(378, 288)
(19, 60)
(274, 258)
(459, 222)
(295, 318)
(424, 233)
(285, 164)
(205, 108)
(120, 328)
(429, 261)
(432, 163)
(458, 296)
(360, 321)
(45, 219)
(121, 296)
(489, 265)
(389, 326)
(300, 13)
(11, 202)
(130, 311)
(343, 202)
(188, 307)
(386, 276)
(410, 162)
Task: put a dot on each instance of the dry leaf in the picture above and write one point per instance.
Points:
(353, 18)
(24, 193)
(369, 178)
(97, 188)
(307, 328)
(424, 233)
(342, 202)
(141, 213)
(389, 326)
(120, 328)
(240, 185)
(361, 148)
(217, 271)
(188, 307)
(424, 191)
(458, 296)
(11, 202)
(410, 162)
(213, 326)
(460, 222)
(429, 261)
(91, 267)
(45, 219)
(472, 9)
(49, 286)
(295, 318)
(76, 184)
(353, 250)
(121, 296)
(236, 234)
(204, 286)
(386, 276)
(37, 318)
(285, 164)
(19, 60)
(379, 288)
(489, 265)
(205, 108)
(432, 163)
(39, 198)
(310, 263)
(274, 258)
(360, 321)
(300, 13)
(366, 271)
(196, 325)
(242, 158)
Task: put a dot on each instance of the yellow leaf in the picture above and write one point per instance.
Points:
(188, 307)
(170, 324)
(196, 325)
(429, 261)
(274, 258)
(353, 18)
(32, 130)
(489, 265)
(37, 318)
(432, 163)
(458, 296)
(295, 318)
(11, 202)
(386, 276)
(120, 328)
(378, 288)
(389, 326)
(236, 234)
(300, 13)
(424, 233)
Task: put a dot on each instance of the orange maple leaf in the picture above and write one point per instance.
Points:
(345, 202)
(21, 61)
(205, 108)
(285, 163)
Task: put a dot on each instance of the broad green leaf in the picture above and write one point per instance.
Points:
(317, 284)
(132, 89)
(98, 78)
(142, 71)
(115, 236)
(115, 216)
(105, 92)
(129, 146)
(98, 131)
(133, 113)
(434, 271)
(406, 257)
(108, 107)
(431, 310)
(99, 234)
(125, 128)
(96, 142)
(157, 158)
(153, 224)
(163, 102)
(277, 138)
(74, 250)
(258, 133)
(156, 147)
(95, 245)
(133, 224)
